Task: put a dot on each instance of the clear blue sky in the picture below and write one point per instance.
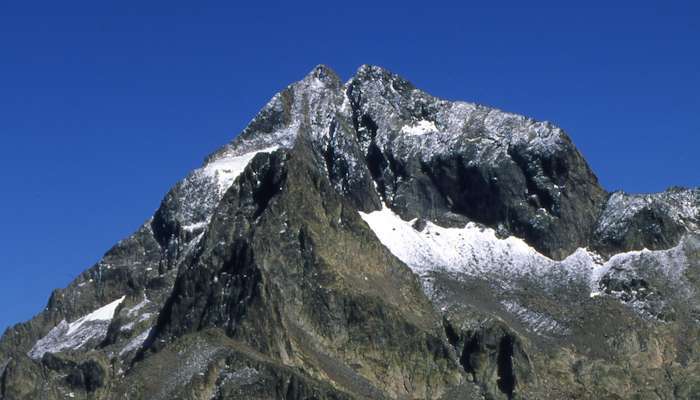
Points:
(105, 104)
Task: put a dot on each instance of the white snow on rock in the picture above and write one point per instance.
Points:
(473, 249)
(74, 335)
(226, 169)
(195, 197)
(419, 128)
(476, 251)
(136, 342)
(679, 204)
(136, 314)
(135, 309)
(537, 322)
(487, 133)
(672, 263)
(195, 226)
(105, 313)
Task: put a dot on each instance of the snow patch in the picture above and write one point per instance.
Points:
(132, 311)
(105, 313)
(74, 335)
(136, 342)
(419, 128)
(477, 251)
(474, 250)
(195, 226)
(226, 169)
(535, 321)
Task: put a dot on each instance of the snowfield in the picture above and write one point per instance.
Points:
(74, 335)
(477, 252)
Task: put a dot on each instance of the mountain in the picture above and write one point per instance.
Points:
(365, 240)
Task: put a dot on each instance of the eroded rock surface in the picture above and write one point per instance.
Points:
(367, 240)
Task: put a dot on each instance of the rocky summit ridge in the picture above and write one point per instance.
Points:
(366, 240)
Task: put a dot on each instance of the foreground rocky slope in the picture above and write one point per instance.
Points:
(367, 240)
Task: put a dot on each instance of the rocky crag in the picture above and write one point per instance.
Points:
(365, 240)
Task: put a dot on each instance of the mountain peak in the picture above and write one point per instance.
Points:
(323, 74)
(375, 73)
(369, 69)
(369, 240)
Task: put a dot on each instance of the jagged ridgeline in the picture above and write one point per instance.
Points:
(365, 240)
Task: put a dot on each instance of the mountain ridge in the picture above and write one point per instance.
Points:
(269, 258)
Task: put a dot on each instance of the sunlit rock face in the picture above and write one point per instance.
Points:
(366, 240)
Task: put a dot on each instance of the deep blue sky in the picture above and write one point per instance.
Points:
(104, 105)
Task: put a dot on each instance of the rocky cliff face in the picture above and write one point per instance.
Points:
(367, 240)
